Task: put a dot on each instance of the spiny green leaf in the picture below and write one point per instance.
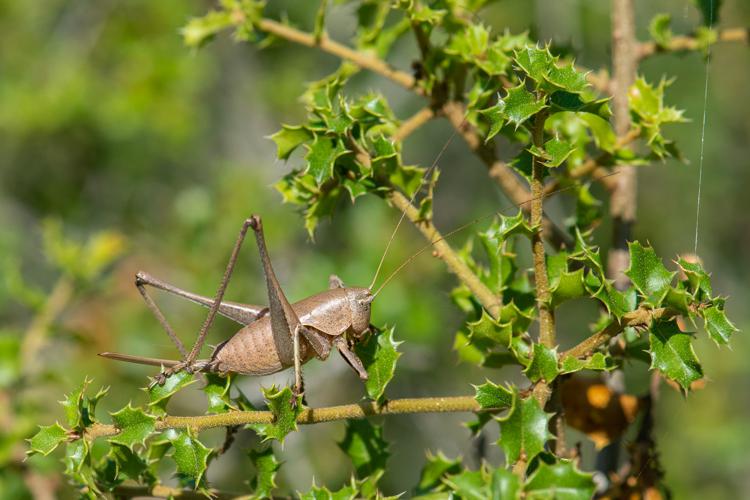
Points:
(134, 425)
(488, 328)
(559, 481)
(80, 409)
(379, 355)
(567, 78)
(524, 430)
(348, 492)
(289, 138)
(519, 105)
(672, 353)
(47, 439)
(617, 303)
(504, 485)
(437, 467)
(495, 116)
(190, 455)
(469, 44)
(364, 444)
(568, 286)
(469, 485)
(554, 153)
(698, 279)
(543, 364)
(285, 413)
(659, 29)
(159, 395)
(489, 395)
(535, 62)
(717, 325)
(597, 361)
(129, 463)
(217, 391)
(648, 274)
(76, 456)
(321, 156)
(266, 466)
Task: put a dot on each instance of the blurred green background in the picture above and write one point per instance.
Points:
(108, 123)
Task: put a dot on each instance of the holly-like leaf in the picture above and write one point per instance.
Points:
(487, 328)
(321, 157)
(672, 353)
(567, 78)
(504, 485)
(698, 280)
(379, 355)
(554, 153)
(519, 105)
(524, 430)
(648, 274)
(266, 466)
(217, 392)
(130, 464)
(617, 303)
(469, 485)
(719, 328)
(490, 395)
(190, 455)
(559, 481)
(289, 138)
(597, 361)
(437, 467)
(364, 444)
(347, 492)
(535, 62)
(567, 286)
(495, 116)
(134, 426)
(543, 364)
(47, 439)
(285, 413)
(160, 394)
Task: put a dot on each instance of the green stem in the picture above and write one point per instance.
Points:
(308, 416)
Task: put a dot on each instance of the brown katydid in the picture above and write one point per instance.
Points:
(276, 337)
(282, 335)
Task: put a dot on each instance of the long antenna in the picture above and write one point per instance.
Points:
(425, 177)
(471, 223)
(703, 131)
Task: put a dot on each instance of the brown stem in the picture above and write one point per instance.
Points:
(624, 195)
(308, 415)
(683, 43)
(491, 302)
(543, 294)
(641, 317)
(325, 44)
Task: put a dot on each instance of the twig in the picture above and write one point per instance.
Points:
(413, 123)
(543, 294)
(641, 317)
(325, 44)
(687, 43)
(491, 302)
(35, 335)
(308, 415)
